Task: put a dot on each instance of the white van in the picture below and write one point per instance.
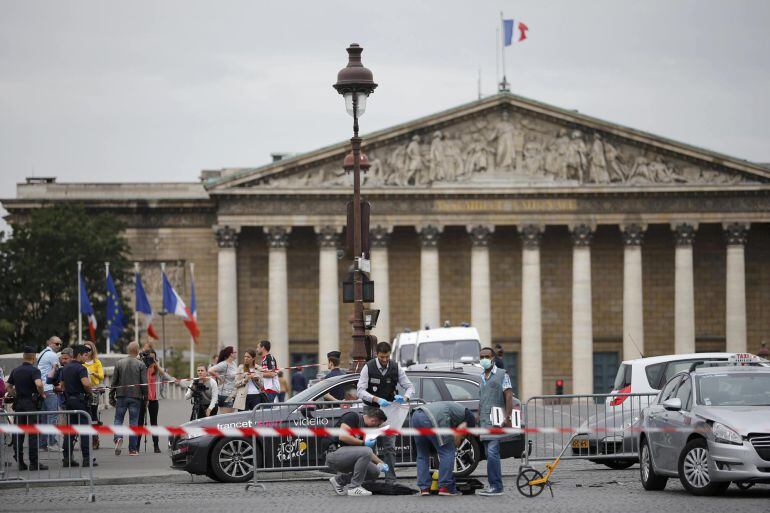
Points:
(437, 349)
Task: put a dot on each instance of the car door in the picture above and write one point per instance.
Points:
(657, 418)
(680, 420)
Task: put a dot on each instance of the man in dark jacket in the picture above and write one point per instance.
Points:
(77, 396)
(129, 384)
(27, 384)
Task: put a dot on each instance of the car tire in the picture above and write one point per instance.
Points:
(467, 457)
(618, 464)
(232, 460)
(651, 481)
(694, 469)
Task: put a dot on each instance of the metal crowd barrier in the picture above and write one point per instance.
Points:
(12, 471)
(291, 454)
(610, 415)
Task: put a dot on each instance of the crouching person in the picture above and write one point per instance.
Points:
(442, 414)
(353, 458)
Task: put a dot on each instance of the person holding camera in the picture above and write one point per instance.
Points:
(128, 392)
(155, 376)
(26, 382)
(204, 393)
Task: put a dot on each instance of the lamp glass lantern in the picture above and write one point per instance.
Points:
(354, 81)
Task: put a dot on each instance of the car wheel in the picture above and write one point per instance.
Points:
(232, 460)
(618, 464)
(694, 470)
(650, 479)
(467, 457)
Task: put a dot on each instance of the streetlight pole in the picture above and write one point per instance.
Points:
(356, 83)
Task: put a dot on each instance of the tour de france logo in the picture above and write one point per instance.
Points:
(291, 448)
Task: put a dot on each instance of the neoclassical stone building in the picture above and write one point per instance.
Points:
(572, 241)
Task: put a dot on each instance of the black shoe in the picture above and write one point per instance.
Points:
(38, 466)
(93, 463)
(70, 463)
(157, 450)
(23, 466)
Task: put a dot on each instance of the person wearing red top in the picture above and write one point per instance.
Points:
(155, 375)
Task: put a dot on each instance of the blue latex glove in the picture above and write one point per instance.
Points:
(384, 468)
(371, 443)
(400, 399)
(383, 403)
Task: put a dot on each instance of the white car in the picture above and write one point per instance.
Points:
(438, 349)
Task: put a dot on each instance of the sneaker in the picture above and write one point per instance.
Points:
(491, 492)
(358, 491)
(338, 488)
(446, 492)
(133, 453)
(425, 492)
(118, 446)
(70, 463)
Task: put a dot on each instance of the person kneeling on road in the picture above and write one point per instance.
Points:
(442, 414)
(353, 458)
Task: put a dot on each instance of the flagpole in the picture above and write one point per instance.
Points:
(107, 273)
(504, 83)
(163, 323)
(497, 54)
(80, 315)
(192, 340)
(137, 335)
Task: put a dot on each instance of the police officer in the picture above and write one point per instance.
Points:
(377, 386)
(337, 393)
(77, 392)
(26, 381)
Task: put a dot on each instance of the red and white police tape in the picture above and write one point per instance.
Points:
(244, 429)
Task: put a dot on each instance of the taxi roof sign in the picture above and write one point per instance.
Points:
(742, 359)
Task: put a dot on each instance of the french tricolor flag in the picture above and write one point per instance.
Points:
(511, 34)
(173, 303)
(87, 309)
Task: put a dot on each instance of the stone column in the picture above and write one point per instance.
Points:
(378, 242)
(227, 286)
(633, 306)
(582, 321)
(481, 304)
(278, 293)
(684, 295)
(531, 325)
(430, 306)
(735, 325)
(328, 291)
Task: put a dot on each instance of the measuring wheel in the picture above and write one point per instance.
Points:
(526, 476)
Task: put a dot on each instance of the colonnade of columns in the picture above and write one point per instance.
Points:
(531, 354)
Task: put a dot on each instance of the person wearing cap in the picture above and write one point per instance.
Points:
(77, 396)
(333, 362)
(26, 381)
(441, 414)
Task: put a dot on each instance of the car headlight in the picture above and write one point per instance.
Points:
(725, 435)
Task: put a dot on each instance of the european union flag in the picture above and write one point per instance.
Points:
(114, 311)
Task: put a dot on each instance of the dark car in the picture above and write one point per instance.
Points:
(228, 459)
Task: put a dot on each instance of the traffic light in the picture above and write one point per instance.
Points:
(559, 387)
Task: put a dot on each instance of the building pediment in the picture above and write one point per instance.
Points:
(501, 142)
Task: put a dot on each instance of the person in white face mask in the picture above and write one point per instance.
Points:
(495, 392)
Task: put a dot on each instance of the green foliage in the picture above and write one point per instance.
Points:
(38, 274)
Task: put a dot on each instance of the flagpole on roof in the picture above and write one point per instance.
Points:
(136, 304)
(106, 274)
(163, 319)
(192, 340)
(504, 82)
(80, 315)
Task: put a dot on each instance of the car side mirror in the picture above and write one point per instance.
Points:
(409, 362)
(673, 404)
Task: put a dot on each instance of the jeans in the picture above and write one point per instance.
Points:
(133, 406)
(386, 450)
(74, 403)
(494, 472)
(271, 396)
(353, 465)
(446, 456)
(50, 403)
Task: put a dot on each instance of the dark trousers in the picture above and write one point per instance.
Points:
(152, 408)
(252, 400)
(75, 403)
(24, 406)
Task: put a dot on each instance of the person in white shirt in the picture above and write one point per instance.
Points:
(47, 362)
(209, 393)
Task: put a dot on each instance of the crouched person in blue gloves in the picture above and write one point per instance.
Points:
(352, 457)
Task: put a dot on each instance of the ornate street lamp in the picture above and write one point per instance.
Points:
(355, 83)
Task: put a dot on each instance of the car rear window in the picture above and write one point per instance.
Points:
(447, 351)
(406, 354)
(654, 374)
(623, 377)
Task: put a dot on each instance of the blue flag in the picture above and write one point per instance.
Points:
(507, 32)
(114, 311)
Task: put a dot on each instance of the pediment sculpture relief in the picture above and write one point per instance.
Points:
(503, 148)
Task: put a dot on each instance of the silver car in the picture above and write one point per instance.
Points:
(709, 426)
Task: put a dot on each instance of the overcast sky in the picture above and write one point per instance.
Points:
(158, 90)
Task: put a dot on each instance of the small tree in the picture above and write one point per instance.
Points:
(38, 273)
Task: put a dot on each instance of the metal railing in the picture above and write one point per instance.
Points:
(17, 451)
(600, 423)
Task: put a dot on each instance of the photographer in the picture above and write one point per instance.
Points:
(155, 375)
(204, 392)
(127, 395)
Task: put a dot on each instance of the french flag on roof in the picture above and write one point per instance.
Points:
(173, 304)
(143, 306)
(87, 309)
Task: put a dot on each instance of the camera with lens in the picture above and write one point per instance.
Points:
(147, 358)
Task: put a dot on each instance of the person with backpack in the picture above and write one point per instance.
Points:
(352, 456)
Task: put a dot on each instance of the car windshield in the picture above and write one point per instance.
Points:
(309, 393)
(448, 351)
(734, 389)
